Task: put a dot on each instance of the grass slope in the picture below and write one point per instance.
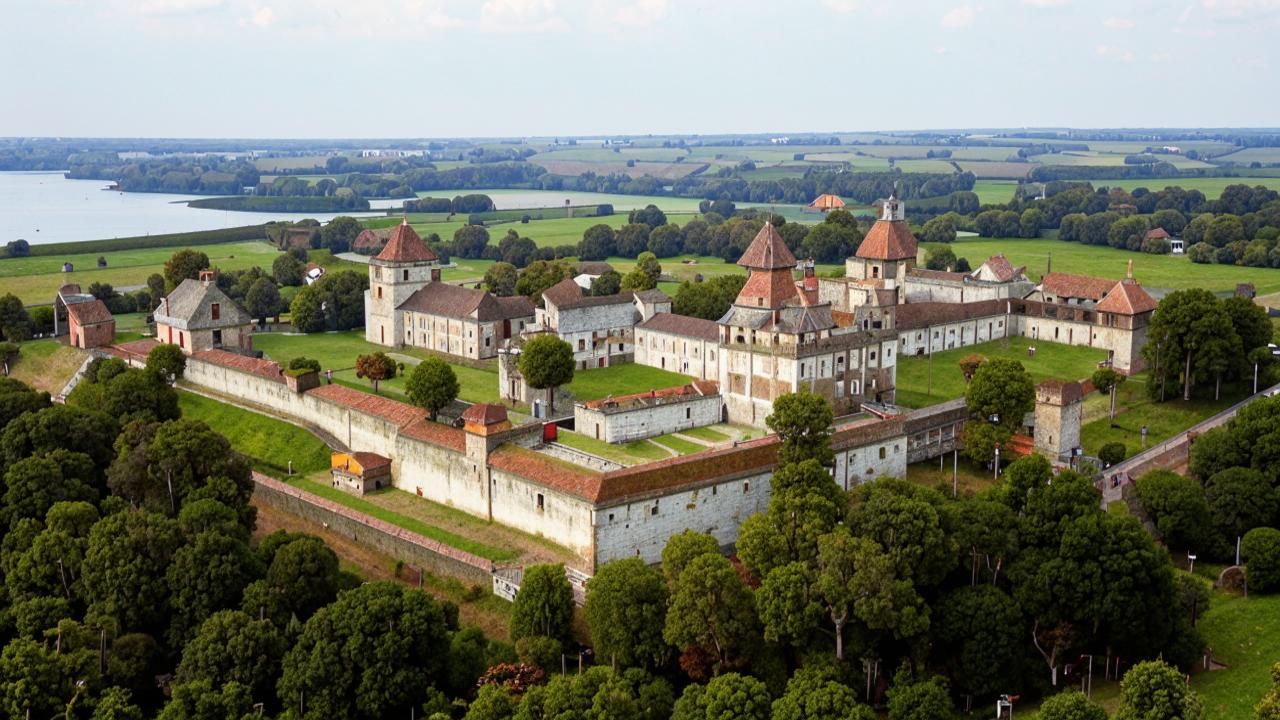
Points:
(1154, 271)
(1244, 633)
(631, 453)
(47, 365)
(271, 443)
(624, 379)
(1134, 410)
(1052, 360)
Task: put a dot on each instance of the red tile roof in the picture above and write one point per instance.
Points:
(370, 461)
(1076, 286)
(371, 239)
(827, 201)
(1127, 298)
(562, 293)
(1001, 267)
(94, 312)
(406, 246)
(700, 388)
(768, 251)
(243, 363)
(773, 287)
(429, 431)
(913, 316)
(888, 240)
(682, 325)
(485, 414)
(456, 301)
(393, 411)
(556, 474)
(1157, 233)
(716, 465)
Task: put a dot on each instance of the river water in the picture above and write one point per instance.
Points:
(45, 207)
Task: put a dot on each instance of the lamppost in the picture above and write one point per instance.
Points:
(1004, 708)
(995, 420)
(1191, 562)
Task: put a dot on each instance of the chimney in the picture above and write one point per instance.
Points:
(208, 276)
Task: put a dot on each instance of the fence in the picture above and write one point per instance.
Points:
(506, 583)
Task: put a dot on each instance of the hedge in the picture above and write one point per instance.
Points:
(187, 239)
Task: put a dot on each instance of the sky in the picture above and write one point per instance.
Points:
(512, 68)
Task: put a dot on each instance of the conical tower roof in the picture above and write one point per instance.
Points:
(767, 251)
(406, 246)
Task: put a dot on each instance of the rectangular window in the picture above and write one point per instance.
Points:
(654, 510)
(746, 487)
(881, 453)
(406, 274)
(216, 310)
(217, 337)
(582, 344)
(379, 292)
(688, 413)
(542, 504)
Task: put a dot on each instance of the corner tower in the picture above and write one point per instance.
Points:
(887, 252)
(404, 266)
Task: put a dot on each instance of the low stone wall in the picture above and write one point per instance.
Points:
(397, 542)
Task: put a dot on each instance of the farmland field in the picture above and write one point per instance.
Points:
(994, 191)
(1212, 187)
(508, 199)
(925, 166)
(35, 280)
(665, 170)
(996, 169)
(1249, 155)
(1153, 271)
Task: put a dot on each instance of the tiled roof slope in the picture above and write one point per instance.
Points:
(767, 251)
(1127, 298)
(1076, 286)
(243, 363)
(682, 325)
(888, 240)
(93, 312)
(190, 306)
(398, 413)
(406, 246)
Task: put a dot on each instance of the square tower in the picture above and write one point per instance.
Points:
(404, 266)
(1059, 406)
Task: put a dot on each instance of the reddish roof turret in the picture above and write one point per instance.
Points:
(768, 251)
(405, 246)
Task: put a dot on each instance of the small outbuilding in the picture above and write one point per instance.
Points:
(360, 472)
(826, 203)
(90, 324)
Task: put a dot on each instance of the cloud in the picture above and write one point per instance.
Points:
(521, 16)
(263, 16)
(1160, 57)
(959, 17)
(940, 50)
(172, 8)
(1114, 53)
(844, 7)
(641, 13)
(1115, 23)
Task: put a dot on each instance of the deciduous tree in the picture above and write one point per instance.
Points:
(544, 605)
(432, 384)
(625, 606)
(546, 362)
(376, 366)
(1154, 690)
(802, 421)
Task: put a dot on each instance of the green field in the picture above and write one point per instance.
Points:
(35, 280)
(636, 452)
(1052, 360)
(1134, 410)
(1244, 634)
(505, 199)
(705, 433)
(626, 379)
(546, 233)
(1255, 154)
(678, 444)
(1212, 187)
(47, 364)
(995, 191)
(1154, 271)
(269, 442)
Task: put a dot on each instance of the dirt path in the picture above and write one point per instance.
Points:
(490, 613)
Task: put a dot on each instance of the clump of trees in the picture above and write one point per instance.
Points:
(1197, 339)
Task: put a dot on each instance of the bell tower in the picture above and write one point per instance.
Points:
(404, 266)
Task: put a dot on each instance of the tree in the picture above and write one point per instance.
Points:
(1240, 499)
(1269, 707)
(546, 362)
(802, 421)
(167, 361)
(432, 384)
(625, 606)
(17, 248)
(500, 279)
(727, 697)
(981, 439)
(1249, 320)
(980, 632)
(631, 240)
(666, 241)
(939, 230)
(544, 605)
(969, 365)
(15, 324)
(681, 550)
(207, 574)
(33, 485)
(493, 702)
(1260, 550)
(1195, 339)
(815, 693)
(1106, 381)
(37, 682)
(202, 700)
(540, 275)
(645, 275)
(376, 366)
(923, 699)
(1177, 507)
(712, 611)
(789, 529)
(1071, 705)
(124, 569)
(161, 466)
(231, 646)
(263, 299)
(338, 234)
(941, 259)
(1001, 389)
(334, 302)
(302, 574)
(470, 241)
(1112, 453)
(17, 398)
(63, 427)
(1154, 690)
(607, 283)
(114, 705)
(287, 271)
(372, 653)
(597, 243)
(649, 215)
(710, 299)
(184, 265)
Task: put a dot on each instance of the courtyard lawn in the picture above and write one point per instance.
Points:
(705, 433)
(971, 478)
(625, 379)
(631, 453)
(679, 444)
(269, 442)
(1052, 360)
(1134, 410)
(1173, 272)
(1243, 633)
(47, 365)
(371, 509)
(35, 280)
(338, 352)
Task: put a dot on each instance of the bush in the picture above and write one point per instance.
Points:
(203, 237)
(1260, 550)
(304, 364)
(539, 651)
(1112, 453)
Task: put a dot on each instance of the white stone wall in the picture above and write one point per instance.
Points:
(641, 528)
(855, 466)
(587, 328)
(463, 337)
(643, 422)
(688, 356)
(947, 336)
(564, 519)
(1124, 344)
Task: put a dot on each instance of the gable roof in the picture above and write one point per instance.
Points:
(1000, 268)
(243, 363)
(682, 325)
(459, 302)
(1157, 234)
(767, 251)
(93, 312)
(1076, 286)
(190, 307)
(827, 201)
(767, 289)
(393, 411)
(888, 240)
(592, 267)
(568, 295)
(485, 414)
(1127, 298)
(371, 239)
(406, 246)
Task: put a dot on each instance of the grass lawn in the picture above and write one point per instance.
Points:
(626, 379)
(1212, 187)
(1244, 633)
(35, 280)
(363, 505)
(994, 191)
(270, 442)
(47, 364)
(680, 445)
(632, 453)
(1052, 360)
(1134, 409)
(1155, 271)
(970, 477)
(132, 322)
(546, 233)
(703, 433)
(338, 351)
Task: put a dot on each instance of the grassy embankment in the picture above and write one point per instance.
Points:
(47, 364)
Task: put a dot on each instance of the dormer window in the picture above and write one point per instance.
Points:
(216, 310)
